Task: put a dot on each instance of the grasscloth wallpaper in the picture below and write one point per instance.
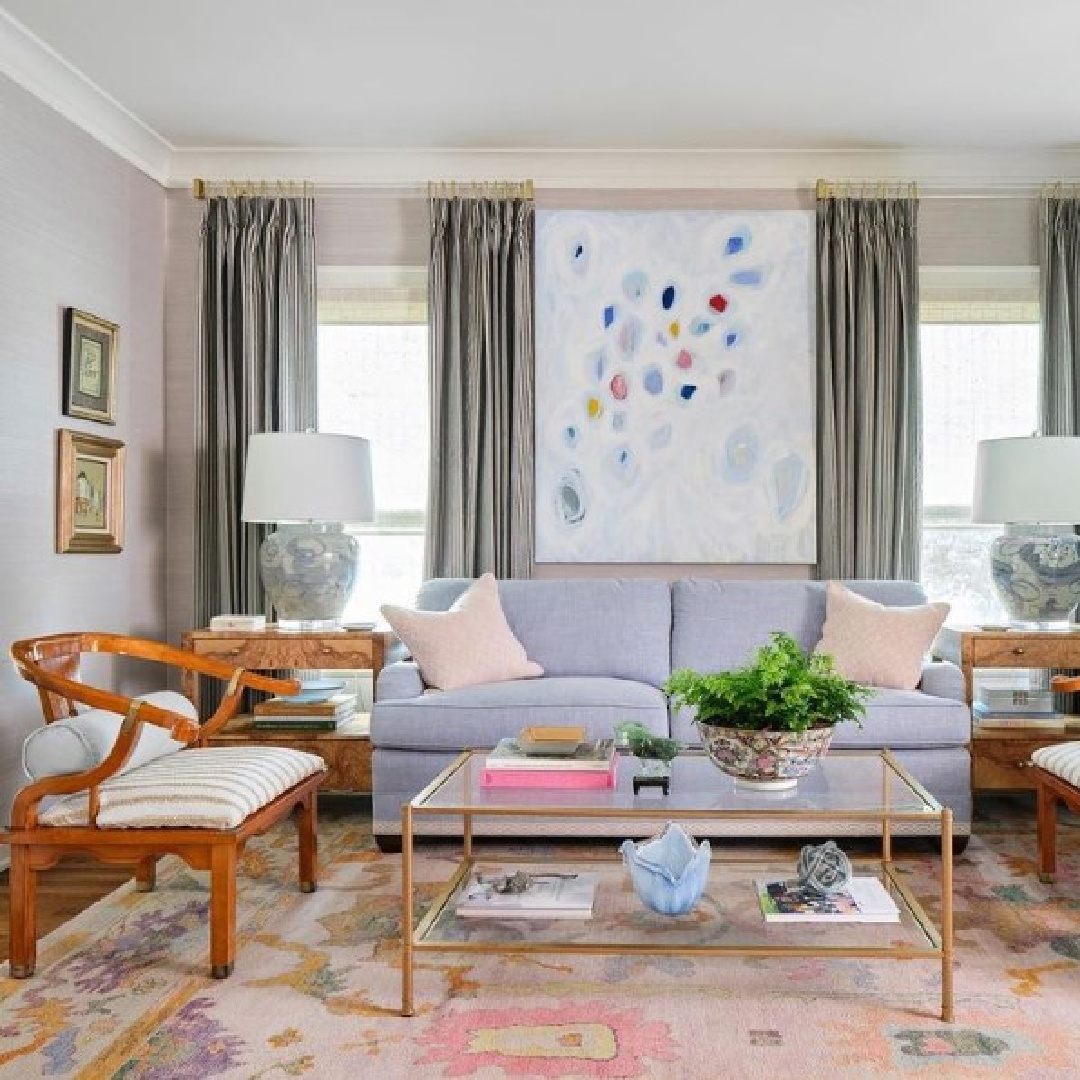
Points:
(80, 228)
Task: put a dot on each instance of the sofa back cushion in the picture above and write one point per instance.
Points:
(616, 627)
(719, 625)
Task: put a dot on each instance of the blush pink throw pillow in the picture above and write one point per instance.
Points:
(877, 644)
(472, 643)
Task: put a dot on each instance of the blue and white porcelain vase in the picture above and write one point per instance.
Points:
(669, 871)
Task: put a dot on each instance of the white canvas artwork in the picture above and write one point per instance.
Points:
(674, 387)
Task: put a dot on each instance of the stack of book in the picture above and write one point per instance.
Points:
(863, 899)
(297, 714)
(538, 896)
(1016, 708)
(590, 764)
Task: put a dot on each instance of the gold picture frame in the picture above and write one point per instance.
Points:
(89, 366)
(89, 493)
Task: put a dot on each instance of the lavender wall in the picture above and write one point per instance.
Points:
(79, 227)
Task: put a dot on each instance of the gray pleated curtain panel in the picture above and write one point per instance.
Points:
(480, 504)
(255, 372)
(869, 407)
(1059, 278)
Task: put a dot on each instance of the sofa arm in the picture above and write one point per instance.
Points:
(942, 678)
(399, 680)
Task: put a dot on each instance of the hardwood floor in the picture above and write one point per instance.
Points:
(62, 893)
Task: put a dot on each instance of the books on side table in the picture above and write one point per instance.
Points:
(592, 764)
(290, 714)
(1017, 708)
(527, 896)
(863, 899)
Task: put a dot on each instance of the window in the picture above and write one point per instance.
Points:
(979, 338)
(373, 381)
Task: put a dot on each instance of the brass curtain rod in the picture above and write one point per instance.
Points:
(265, 189)
(1060, 189)
(480, 189)
(867, 189)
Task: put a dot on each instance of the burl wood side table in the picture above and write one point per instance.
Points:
(347, 751)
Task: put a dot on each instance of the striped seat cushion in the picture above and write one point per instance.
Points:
(202, 788)
(1062, 760)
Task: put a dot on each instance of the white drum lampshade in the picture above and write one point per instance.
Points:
(311, 484)
(1032, 487)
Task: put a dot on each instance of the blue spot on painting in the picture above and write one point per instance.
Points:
(732, 338)
(579, 256)
(687, 391)
(737, 242)
(634, 284)
(789, 477)
(623, 464)
(753, 277)
(609, 315)
(740, 458)
(653, 380)
(598, 364)
(571, 498)
(571, 435)
(667, 297)
(700, 326)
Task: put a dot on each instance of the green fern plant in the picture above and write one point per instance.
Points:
(783, 689)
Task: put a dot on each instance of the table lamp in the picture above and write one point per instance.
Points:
(1032, 486)
(310, 484)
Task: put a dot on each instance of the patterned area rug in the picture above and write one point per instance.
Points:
(122, 990)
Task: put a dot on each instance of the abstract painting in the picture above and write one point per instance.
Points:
(674, 387)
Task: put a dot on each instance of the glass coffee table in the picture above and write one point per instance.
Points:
(870, 789)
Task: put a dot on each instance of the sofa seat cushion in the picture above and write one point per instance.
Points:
(203, 788)
(894, 718)
(479, 716)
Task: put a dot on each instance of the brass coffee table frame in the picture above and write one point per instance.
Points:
(939, 940)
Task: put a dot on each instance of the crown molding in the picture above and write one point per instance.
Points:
(41, 71)
(978, 173)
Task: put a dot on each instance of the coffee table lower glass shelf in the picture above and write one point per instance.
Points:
(726, 921)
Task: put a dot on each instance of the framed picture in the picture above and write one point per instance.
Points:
(89, 367)
(89, 493)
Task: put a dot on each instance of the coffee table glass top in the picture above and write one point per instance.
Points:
(841, 782)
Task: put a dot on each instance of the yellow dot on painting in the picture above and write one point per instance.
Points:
(674, 328)
(595, 409)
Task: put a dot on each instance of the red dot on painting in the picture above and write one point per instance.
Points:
(684, 359)
(619, 388)
(718, 302)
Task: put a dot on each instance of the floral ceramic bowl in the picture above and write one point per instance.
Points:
(774, 759)
(669, 871)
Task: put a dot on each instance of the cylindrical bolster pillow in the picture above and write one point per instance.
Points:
(75, 745)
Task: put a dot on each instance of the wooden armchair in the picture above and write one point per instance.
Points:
(1056, 774)
(173, 804)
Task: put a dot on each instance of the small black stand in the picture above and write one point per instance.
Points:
(663, 782)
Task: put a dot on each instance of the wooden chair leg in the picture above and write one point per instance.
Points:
(23, 922)
(223, 860)
(146, 875)
(308, 830)
(1046, 827)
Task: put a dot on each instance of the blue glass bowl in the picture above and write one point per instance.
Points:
(669, 871)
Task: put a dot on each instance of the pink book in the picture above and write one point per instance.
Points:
(550, 778)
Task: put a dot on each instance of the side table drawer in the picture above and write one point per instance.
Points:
(279, 653)
(1005, 764)
(1039, 653)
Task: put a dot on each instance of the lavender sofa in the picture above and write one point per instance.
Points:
(607, 646)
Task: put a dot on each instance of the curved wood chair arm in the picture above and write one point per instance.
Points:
(51, 663)
(1065, 684)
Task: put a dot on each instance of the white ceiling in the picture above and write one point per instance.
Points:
(573, 75)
